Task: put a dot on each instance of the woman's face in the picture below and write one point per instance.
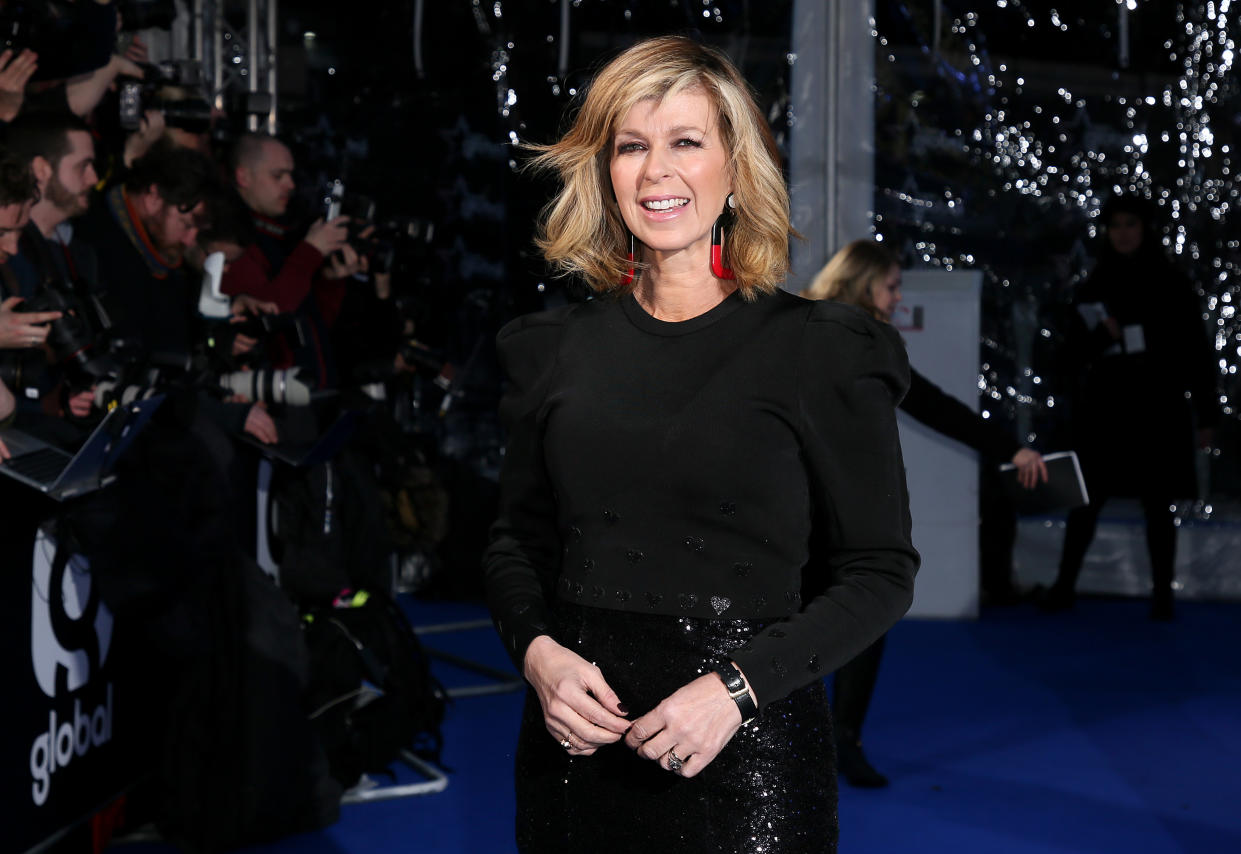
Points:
(670, 172)
(1124, 232)
(886, 293)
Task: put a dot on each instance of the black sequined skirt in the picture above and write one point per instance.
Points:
(772, 789)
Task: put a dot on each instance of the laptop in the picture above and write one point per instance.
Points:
(60, 475)
(1065, 487)
(318, 450)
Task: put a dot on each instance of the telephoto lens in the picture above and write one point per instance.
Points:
(269, 386)
(118, 392)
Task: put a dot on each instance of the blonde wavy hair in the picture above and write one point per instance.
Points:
(581, 230)
(851, 274)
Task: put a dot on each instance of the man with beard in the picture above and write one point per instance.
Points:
(60, 155)
(140, 231)
(60, 152)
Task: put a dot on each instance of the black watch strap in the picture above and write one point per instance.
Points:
(737, 688)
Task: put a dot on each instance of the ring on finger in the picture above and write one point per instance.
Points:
(675, 763)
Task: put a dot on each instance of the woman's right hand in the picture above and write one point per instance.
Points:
(1031, 470)
(578, 705)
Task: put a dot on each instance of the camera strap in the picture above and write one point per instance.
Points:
(9, 282)
(45, 266)
(69, 263)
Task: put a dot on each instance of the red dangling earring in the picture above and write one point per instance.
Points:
(717, 241)
(628, 278)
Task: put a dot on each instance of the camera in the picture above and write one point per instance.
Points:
(24, 372)
(73, 339)
(139, 375)
(20, 26)
(262, 325)
(221, 333)
(401, 245)
(336, 202)
(174, 88)
(123, 390)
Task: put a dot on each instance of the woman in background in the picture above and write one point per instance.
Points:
(1143, 364)
(866, 274)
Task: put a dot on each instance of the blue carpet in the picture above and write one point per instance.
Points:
(1094, 731)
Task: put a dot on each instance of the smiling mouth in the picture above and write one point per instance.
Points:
(664, 204)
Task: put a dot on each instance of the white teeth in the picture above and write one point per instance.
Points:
(665, 204)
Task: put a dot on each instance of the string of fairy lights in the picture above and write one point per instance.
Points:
(1056, 154)
(1033, 152)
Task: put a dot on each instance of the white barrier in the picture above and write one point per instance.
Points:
(939, 320)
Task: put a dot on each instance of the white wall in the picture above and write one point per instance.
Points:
(832, 139)
(939, 319)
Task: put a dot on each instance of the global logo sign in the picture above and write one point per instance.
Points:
(70, 633)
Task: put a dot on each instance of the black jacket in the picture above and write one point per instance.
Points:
(1136, 403)
(943, 413)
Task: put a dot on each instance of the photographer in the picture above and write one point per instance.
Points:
(23, 331)
(59, 152)
(18, 330)
(306, 275)
(50, 29)
(83, 93)
(16, 69)
(167, 101)
(60, 56)
(141, 231)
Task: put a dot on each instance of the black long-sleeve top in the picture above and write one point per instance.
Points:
(943, 413)
(706, 468)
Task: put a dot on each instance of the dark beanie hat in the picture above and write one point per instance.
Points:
(1130, 204)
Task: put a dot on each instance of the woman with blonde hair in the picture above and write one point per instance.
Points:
(866, 274)
(685, 452)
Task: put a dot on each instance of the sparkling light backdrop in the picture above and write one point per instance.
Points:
(996, 153)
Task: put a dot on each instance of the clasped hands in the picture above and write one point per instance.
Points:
(583, 713)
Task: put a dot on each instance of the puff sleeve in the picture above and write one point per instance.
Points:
(522, 561)
(852, 374)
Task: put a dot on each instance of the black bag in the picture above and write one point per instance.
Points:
(240, 764)
(326, 521)
(210, 649)
(371, 691)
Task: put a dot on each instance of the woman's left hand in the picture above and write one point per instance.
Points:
(695, 723)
